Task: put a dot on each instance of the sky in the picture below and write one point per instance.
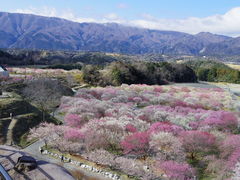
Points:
(190, 16)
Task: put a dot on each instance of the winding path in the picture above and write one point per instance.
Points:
(10, 132)
(45, 170)
(33, 150)
(234, 90)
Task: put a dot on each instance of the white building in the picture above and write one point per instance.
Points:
(3, 72)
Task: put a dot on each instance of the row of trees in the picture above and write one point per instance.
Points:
(214, 71)
(118, 73)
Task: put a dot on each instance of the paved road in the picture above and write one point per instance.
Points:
(196, 85)
(234, 90)
(33, 150)
(44, 171)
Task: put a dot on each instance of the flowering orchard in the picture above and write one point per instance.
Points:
(41, 72)
(149, 132)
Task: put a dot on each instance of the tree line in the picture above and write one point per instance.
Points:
(117, 73)
(213, 71)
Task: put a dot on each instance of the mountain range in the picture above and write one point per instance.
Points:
(26, 31)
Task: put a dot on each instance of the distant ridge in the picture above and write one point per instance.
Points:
(27, 31)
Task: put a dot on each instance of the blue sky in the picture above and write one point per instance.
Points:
(189, 16)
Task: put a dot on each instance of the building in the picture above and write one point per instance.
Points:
(3, 72)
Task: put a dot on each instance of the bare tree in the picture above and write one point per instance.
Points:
(44, 93)
(0, 89)
(2, 85)
(70, 80)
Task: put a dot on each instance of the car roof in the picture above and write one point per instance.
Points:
(26, 158)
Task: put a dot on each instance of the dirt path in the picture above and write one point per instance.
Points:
(10, 132)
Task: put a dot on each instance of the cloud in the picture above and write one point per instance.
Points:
(226, 24)
(112, 17)
(44, 11)
(70, 15)
(122, 6)
(52, 12)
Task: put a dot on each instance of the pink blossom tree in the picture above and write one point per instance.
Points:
(101, 156)
(167, 147)
(196, 142)
(233, 159)
(134, 167)
(177, 171)
(95, 140)
(131, 128)
(74, 120)
(44, 132)
(165, 127)
(73, 134)
(136, 143)
(229, 145)
(222, 120)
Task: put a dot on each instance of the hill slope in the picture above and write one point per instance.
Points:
(38, 32)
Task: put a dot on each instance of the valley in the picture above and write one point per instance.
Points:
(119, 119)
(119, 90)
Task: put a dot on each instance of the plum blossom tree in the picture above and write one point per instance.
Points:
(229, 145)
(73, 134)
(45, 132)
(167, 147)
(177, 171)
(236, 172)
(233, 159)
(73, 120)
(104, 133)
(136, 143)
(131, 128)
(95, 140)
(134, 167)
(195, 142)
(216, 167)
(165, 127)
(222, 120)
(67, 146)
(101, 156)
